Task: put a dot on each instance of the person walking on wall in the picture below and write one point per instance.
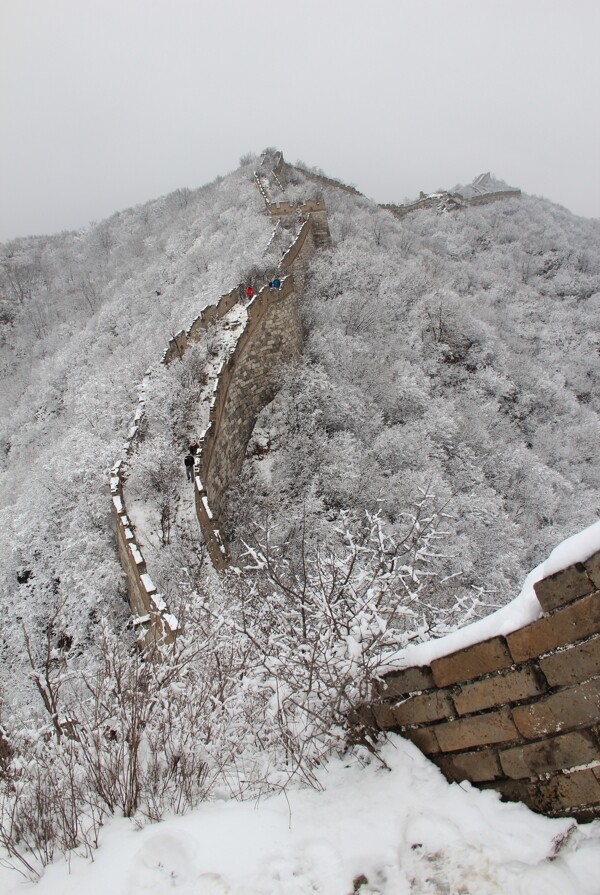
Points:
(249, 292)
(189, 466)
(275, 284)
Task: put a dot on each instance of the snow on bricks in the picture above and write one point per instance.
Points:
(149, 611)
(519, 713)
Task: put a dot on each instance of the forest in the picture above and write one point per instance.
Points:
(435, 441)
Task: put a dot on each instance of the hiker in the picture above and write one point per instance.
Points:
(275, 284)
(249, 292)
(189, 466)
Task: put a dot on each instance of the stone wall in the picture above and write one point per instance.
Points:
(246, 383)
(521, 713)
(151, 615)
(320, 178)
(450, 201)
(485, 198)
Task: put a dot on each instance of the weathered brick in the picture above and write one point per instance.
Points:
(409, 680)
(362, 716)
(582, 815)
(478, 730)
(569, 791)
(473, 766)
(574, 622)
(565, 710)
(424, 738)
(592, 567)
(563, 587)
(384, 716)
(510, 790)
(496, 690)
(551, 754)
(569, 666)
(425, 707)
(473, 661)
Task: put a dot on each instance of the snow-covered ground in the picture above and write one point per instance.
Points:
(399, 830)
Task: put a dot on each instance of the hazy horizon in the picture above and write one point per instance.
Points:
(110, 104)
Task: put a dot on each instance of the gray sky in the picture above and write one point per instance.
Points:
(107, 103)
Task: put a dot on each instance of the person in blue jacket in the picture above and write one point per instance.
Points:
(275, 284)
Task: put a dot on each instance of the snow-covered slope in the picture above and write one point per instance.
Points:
(371, 830)
(453, 356)
(456, 354)
(88, 314)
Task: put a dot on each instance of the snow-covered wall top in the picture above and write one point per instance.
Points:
(513, 701)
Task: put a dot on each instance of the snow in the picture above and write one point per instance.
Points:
(575, 549)
(140, 620)
(137, 556)
(405, 829)
(207, 509)
(118, 503)
(171, 621)
(523, 610)
(158, 602)
(148, 583)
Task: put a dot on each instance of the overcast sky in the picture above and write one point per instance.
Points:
(108, 103)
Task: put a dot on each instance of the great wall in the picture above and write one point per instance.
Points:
(519, 713)
(244, 384)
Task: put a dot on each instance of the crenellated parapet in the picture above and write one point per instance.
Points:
(151, 615)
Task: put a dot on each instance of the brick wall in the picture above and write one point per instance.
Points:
(456, 201)
(520, 713)
(246, 383)
(151, 614)
(272, 335)
(485, 198)
(319, 178)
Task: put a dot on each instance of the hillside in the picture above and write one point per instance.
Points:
(450, 354)
(436, 439)
(86, 314)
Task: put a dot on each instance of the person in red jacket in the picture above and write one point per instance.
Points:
(249, 292)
